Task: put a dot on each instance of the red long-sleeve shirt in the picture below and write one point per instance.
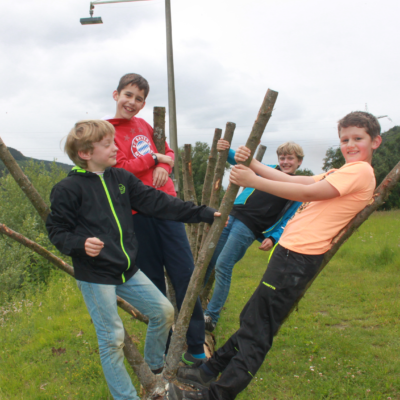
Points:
(134, 139)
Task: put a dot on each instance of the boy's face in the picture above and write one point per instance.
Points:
(357, 145)
(130, 101)
(104, 155)
(288, 163)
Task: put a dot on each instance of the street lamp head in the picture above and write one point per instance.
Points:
(91, 21)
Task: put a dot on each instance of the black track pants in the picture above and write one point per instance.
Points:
(243, 354)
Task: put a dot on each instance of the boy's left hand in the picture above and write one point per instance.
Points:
(160, 177)
(267, 244)
(218, 214)
(242, 176)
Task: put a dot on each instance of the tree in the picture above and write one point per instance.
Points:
(304, 172)
(333, 159)
(384, 159)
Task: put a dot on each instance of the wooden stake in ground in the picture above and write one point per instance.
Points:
(196, 282)
(260, 152)
(208, 179)
(159, 129)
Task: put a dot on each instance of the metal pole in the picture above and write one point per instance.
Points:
(171, 95)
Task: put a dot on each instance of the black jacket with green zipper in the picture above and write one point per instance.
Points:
(85, 205)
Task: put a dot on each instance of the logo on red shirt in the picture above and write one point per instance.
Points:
(141, 145)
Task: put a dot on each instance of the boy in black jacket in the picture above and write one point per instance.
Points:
(90, 221)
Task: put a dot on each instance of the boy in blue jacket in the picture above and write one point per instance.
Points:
(255, 215)
(91, 221)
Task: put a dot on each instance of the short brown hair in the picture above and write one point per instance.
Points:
(291, 148)
(83, 135)
(134, 79)
(361, 119)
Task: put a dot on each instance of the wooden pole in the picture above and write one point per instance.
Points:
(159, 129)
(208, 179)
(260, 152)
(206, 252)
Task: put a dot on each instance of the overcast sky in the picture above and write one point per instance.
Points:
(324, 58)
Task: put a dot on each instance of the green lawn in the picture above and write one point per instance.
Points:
(343, 343)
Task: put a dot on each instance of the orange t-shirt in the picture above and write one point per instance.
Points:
(316, 223)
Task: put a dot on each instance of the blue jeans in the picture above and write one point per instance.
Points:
(164, 243)
(101, 303)
(235, 239)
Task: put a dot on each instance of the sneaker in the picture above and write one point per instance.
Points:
(175, 393)
(188, 359)
(195, 377)
(209, 324)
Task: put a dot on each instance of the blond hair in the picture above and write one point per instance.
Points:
(291, 148)
(83, 135)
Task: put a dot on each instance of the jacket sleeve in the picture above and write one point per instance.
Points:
(231, 157)
(62, 221)
(277, 231)
(156, 203)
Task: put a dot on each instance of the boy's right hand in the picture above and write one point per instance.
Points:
(93, 246)
(223, 145)
(242, 154)
(162, 158)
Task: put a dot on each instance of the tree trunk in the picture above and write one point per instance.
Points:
(208, 179)
(159, 129)
(23, 182)
(196, 282)
(260, 152)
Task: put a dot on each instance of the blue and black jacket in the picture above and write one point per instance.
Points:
(86, 205)
(265, 214)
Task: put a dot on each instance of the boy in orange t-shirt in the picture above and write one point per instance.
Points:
(330, 201)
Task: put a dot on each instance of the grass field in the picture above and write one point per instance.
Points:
(342, 343)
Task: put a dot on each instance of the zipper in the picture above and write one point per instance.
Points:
(118, 224)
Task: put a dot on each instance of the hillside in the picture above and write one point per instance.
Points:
(23, 161)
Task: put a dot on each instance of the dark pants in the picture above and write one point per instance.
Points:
(243, 354)
(164, 243)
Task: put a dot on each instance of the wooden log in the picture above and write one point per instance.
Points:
(260, 152)
(220, 167)
(208, 179)
(23, 182)
(159, 129)
(206, 252)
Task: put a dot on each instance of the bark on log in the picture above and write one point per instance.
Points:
(208, 179)
(205, 294)
(152, 384)
(159, 129)
(171, 295)
(381, 194)
(260, 152)
(191, 194)
(220, 167)
(196, 282)
(23, 182)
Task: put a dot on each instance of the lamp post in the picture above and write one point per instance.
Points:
(171, 79)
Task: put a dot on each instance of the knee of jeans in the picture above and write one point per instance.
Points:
(169, 313)
(116, 339)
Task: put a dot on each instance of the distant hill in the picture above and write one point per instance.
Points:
(23, 161)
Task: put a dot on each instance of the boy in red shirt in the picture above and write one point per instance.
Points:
(161, 243)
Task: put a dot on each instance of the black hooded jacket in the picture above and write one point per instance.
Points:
(85, 205)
